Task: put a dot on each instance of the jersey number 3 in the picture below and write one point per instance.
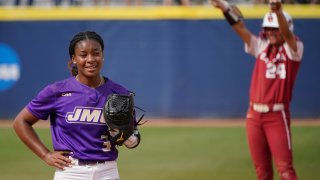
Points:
(275, 69)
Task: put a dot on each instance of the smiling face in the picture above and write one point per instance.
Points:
(273, 35)
(88, 56)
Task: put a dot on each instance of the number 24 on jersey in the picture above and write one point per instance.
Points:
(275, 69)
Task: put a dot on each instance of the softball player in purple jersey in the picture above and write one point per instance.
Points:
(75, 108)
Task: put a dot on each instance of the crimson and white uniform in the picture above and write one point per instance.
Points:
(268, 117)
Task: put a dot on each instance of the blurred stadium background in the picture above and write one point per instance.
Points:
(138, 2)
(182, 63)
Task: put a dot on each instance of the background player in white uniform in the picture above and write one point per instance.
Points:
(75, 108)
(278, 55)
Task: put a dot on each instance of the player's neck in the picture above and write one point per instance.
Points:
(92, 82)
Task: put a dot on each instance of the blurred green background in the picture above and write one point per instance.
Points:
(171, 153)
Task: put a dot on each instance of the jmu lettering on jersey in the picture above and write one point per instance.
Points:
(86, 115)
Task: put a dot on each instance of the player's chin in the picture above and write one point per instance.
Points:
(273, 41)
(92, 71)
(276, 42)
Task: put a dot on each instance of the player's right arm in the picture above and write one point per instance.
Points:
(234, 18)
(287, 34)
(23, 126)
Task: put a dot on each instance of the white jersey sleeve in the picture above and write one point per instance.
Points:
(294, 55)
(256, 46)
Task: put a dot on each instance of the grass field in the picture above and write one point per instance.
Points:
(172, 153)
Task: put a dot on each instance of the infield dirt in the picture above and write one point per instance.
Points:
(188, 122)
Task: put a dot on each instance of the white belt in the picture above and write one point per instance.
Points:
(264, 108)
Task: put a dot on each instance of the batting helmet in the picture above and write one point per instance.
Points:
(271, 20)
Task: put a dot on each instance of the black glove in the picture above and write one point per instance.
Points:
(118, 112)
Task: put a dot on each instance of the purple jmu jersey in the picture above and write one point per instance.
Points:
(76, 117)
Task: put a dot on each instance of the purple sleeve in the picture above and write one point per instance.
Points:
(43, 104)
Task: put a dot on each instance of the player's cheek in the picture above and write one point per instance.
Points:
(269, 33)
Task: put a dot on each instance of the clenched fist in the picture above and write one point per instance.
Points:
(221, 4)
(275, 5)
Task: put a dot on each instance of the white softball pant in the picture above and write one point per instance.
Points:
(99, 171)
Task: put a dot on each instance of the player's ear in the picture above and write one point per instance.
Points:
(73, 60)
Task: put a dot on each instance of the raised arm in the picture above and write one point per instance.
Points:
(234, 18)
(284, 24)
